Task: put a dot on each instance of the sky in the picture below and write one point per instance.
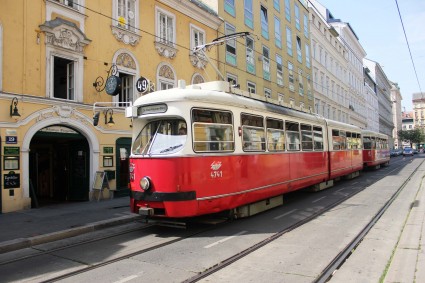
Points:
(378, 26)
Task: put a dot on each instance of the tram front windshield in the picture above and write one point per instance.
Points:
(161, 137)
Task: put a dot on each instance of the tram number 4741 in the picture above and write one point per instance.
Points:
(216, 174)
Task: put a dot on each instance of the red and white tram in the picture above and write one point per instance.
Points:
(207, 148)
(376, 151)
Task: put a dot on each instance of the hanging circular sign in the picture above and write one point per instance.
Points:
(113, 85)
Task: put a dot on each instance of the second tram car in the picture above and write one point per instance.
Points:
(210, 148)
(376, 151)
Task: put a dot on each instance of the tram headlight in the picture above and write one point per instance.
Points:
(145, 183)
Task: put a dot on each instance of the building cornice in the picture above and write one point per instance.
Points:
(197, 13)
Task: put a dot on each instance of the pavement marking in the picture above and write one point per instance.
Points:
(225, 239)
(127, 279)
(283, 215)
(319, 199)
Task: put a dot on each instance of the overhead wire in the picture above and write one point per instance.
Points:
(408, 46)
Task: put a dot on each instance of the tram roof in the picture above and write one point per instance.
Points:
(220, 92)
(372, 133)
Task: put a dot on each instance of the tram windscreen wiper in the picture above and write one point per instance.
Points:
(171, 148)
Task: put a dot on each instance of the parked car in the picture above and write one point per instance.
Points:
(407, 151)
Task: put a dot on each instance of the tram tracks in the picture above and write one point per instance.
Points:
(222, 264)
(326, 274)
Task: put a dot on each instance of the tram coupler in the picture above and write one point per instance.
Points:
(146, 211)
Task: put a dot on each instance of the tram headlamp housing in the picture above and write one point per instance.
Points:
(145, 183)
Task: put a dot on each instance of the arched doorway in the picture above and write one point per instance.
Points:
(59, 162)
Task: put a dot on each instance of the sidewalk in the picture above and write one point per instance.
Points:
(54, 222)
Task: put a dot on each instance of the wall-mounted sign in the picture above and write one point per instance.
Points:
(142, 84)
(11, 140)
(108, 150)
(12, 180)
(11, 150)
(11, 163)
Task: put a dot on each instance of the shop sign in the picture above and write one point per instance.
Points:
(11, 180)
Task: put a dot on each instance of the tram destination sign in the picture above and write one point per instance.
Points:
(152, 109)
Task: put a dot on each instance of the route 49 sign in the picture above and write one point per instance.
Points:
(142, 85)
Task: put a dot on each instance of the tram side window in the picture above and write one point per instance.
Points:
(349, 140)
(367, 142)
(212, 130)
(359, 141)
(306, 137)
(318, 138)
(275, 135)
(292, 135)
(253, 136)
(339, 140)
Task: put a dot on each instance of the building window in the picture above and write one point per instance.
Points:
(229, 7)
(264, 23)
(64, 78)
(279, 70)
(277, 33)
(165, 28)
(288, 10)
(291, 76)
(250, 56)
(289, 41)
(230, 45)
(74, 4)
(309, 93)
(197, 36)
(306, 32)
(232, 79)
(249, 18)
(267, 93)
(126, 14)
(266, 63)
(299, 52)
(251, 87)
(297, 17)
(300, 82)
(126, 94)
(276, 5)
(307, 56)
(166, 77)
(280, 97)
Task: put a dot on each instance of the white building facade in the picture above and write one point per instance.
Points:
(329, 61)
(383, 91)
(338, 72)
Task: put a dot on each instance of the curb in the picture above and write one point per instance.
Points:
(22, 243)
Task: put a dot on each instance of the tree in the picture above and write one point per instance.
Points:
(411, 136)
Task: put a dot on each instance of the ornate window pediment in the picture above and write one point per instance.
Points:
(65, 34)
(165, 50)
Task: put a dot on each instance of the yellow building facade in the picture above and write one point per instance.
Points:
(58, 58)
(272, 60)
